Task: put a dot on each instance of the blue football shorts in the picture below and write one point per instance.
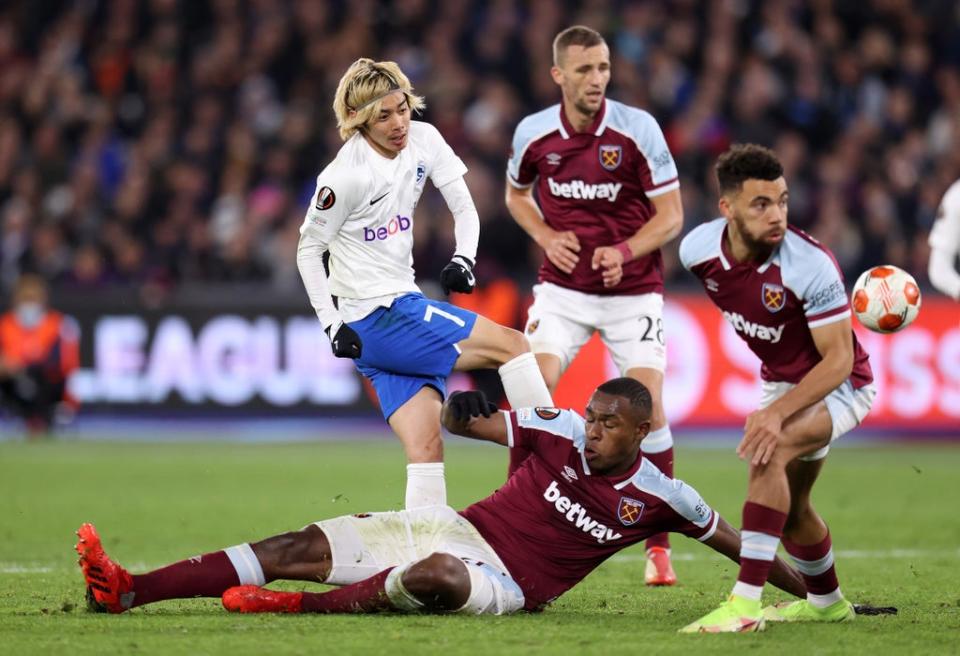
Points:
(410, 344)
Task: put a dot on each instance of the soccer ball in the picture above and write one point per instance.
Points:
(886, 299)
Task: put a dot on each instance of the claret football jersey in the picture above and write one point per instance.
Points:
(773, 305)
(598, 183)
(554, 520)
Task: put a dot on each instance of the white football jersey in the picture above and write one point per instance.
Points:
(945, 233)
(945, 244)
(363, 211)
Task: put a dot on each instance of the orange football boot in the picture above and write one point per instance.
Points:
(659, 570)
(254, 599)
(109, 586)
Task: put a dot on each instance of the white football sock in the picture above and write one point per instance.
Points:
(658, 441)
(747, 591)
(523, 383)
(426, 485)
(397, 592)
(246, 564)
(822, 601)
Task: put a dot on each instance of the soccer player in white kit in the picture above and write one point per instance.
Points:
(362, 214)
(608, 198)
(945, 244)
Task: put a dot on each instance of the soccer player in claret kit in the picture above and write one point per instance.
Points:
(608, 198)
(362, 214)
(584, 493)
(783, 293)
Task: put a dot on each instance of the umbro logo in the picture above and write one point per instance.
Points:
(553, 159)
(712, 285)
(568, 474)
(378, 199)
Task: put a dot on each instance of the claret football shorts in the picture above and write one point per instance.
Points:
(847, 407)
(561, 320)
(409, 345)
(363, 545)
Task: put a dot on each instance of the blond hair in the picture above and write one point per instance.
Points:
(361, 90)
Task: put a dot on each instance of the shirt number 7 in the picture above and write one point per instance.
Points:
(431, 310)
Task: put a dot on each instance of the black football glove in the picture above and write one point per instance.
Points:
(464, 405)
(345, 341)
(458, 276)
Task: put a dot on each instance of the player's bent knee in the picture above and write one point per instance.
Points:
(291, 549)
(514, 343)
(440, 581)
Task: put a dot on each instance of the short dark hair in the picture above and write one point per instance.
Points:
(632, 390)
(746, 162)
(577, 35)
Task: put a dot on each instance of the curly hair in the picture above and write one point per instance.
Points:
(746, 162)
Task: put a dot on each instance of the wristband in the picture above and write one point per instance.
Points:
(625, 251)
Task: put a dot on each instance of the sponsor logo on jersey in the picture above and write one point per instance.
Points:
(553, 159)
(770, 334)
(661, 160)
(583, 191)
(610, 156)
(394, 225)
(568, 474)
(576, 515)
(629, 511)
(325, 198)
(774, 296)
(547, 413)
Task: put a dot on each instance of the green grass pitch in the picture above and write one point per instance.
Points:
(892, 510)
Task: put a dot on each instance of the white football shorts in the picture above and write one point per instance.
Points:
(847, 408)
(561, 320)
(363, 545)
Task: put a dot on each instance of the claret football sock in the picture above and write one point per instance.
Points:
(426, 485)
(366, 596)
(815, 562)
(201, 576)
(523, 383)
(657, 447)
(759, 537)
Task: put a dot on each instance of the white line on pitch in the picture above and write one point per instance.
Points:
(853, 554)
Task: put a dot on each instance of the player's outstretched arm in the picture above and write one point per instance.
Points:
(726, 540)
(470, 414)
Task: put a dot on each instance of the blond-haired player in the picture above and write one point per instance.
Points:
(362, 213)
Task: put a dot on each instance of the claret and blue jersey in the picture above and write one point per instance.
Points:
(773, 305)
(572, 519)
(597, 183)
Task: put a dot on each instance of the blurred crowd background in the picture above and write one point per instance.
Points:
(170, 143)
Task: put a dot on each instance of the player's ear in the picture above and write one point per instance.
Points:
(556, 74)
(643, 429)
(725, 205)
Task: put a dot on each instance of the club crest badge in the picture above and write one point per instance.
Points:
(532, 326)
(421, 171)
(629, 511)
(773, 296)
(610, 156)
